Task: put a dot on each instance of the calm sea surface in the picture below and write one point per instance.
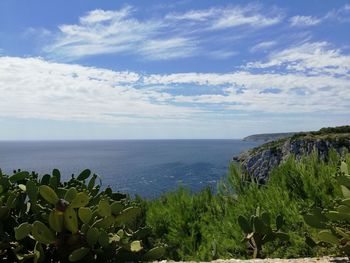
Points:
(145, 167)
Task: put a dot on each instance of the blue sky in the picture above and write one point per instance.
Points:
(172, 70)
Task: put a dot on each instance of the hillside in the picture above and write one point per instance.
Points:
(259, 161)
(266, 137)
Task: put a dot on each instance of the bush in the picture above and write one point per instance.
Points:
(203, 226)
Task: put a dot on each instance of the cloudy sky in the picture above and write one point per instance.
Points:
(166, 69)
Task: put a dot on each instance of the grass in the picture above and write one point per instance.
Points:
(203, 226)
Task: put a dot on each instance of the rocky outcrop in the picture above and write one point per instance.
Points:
(259, 161)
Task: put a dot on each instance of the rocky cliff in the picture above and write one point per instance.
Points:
(259, 161)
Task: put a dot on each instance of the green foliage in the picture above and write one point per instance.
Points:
(258, 230)
(53, 221)
(333, 224)
(338, 135)
(203, 226)
(47, 220)
(182, 220)
(339, 129)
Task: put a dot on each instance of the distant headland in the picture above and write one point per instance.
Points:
(267, 137)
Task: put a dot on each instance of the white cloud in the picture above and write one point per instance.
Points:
(230, 16)
(340, 14)
(99, 15)
(301, 21)
(34, 88)
(247, 80)
(176, 35)
(309, 74)
(195, 15)
(234, 17)
(310, 78)
(265, 45)
(314, 58)
(222, 54)
(168, 48)
(298, 92)
(104, 32)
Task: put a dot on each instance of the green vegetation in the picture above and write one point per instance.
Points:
(339, 129)
(258, 230)
(45, 220)
(334, 223)
(339, 134)
(330, 133)
(268, 136)
(307, 199)
(204, 226)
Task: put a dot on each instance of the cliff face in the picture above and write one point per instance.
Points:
(259, 161)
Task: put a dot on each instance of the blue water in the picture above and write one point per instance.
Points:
(145, 167)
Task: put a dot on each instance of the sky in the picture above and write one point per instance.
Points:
(172, 69)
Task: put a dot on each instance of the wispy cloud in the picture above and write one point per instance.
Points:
(195, 15)
(309, 57)
(301, 21)
(103, 32)
(222, 54)
(265, 45)
(340, 14)
(160, 49)
(99, 15)
(175, 35)
(231, 16)
(249, 15)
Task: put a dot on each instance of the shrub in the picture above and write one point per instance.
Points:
(203, 226)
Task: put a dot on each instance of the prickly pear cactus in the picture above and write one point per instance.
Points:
(333, 225)
(46, 220)
(258, 231)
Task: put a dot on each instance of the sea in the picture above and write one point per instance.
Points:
(147, 168)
